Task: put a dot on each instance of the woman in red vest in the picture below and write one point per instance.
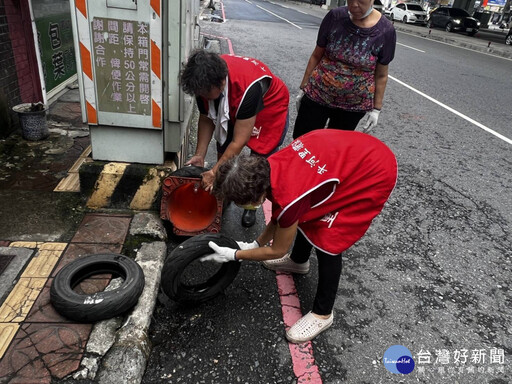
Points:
(327, 184)
(241, 103)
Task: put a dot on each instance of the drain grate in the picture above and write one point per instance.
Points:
(4, 262)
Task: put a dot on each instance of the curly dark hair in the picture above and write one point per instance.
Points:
(203, 71)
(242, 179)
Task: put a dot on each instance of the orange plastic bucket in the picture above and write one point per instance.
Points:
(190, 209)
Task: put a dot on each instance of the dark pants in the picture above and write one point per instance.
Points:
(329, 272)
(314, 116)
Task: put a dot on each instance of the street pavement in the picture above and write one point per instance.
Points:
(46, 222)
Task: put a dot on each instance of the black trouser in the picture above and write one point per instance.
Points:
(329, 272)
(314, 116)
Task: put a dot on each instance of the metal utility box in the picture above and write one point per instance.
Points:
(129, 55)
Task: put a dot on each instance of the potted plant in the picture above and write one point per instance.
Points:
(32, 120)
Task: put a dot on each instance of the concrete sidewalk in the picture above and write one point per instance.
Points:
(44, 225)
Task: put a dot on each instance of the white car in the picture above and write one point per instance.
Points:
(409, 13)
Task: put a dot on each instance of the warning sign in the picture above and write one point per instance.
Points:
(121, 55)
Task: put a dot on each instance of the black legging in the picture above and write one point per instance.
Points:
(329, 272)
(314, 116)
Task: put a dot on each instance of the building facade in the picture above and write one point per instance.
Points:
(37, 58)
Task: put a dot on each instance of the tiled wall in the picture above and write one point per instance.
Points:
(20, 33)
(9, 90)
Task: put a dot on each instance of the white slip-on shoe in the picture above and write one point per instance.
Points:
(285, 264)
(307, 328)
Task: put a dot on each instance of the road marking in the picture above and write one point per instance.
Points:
(223, 12)
(468, 119)
(230, 45)
(284, 6)
(456, 46)
(407, 46)
(272, 13)
(303, 361)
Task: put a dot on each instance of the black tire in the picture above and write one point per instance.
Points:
(508, 40)
(187, 280)
(430, 24)
(189, 171)
(392, 16)
(100, 305)
(404, 20)
(449, 27)
(471, 33)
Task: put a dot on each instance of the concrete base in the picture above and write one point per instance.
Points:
(124, 144)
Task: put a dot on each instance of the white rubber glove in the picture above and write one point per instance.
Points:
(369, 120)
(221, 255)
(244, 245)
(298, 99)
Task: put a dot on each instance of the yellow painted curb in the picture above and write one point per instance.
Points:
(148, 191)
(106, 184)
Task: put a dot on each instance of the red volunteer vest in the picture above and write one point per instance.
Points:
(270, 122)
(361, 169)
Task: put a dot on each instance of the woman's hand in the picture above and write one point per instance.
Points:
(208, 179)
(196, 160)
(221, 254)
(370, 120)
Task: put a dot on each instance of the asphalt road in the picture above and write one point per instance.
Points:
(431, 274)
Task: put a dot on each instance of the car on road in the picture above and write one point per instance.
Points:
(377, 4)
(508, 39)
(409, 13)
(453, 20)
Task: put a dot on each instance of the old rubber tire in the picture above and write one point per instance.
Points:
(187, 280)
(448, 27)
(100, 305)
(189, 171)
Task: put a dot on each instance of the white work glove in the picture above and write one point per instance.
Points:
(243, 245)
(369, 120)
(221, 255)
(298, 99)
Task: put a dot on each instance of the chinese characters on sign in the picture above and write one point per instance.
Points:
(55, 38)
(123, 66)
(461, 361)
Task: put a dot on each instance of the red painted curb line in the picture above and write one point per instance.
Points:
(304, 366)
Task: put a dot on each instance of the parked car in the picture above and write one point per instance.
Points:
(409, 13)
(453, 19)
(508, 39)
(377, 4)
